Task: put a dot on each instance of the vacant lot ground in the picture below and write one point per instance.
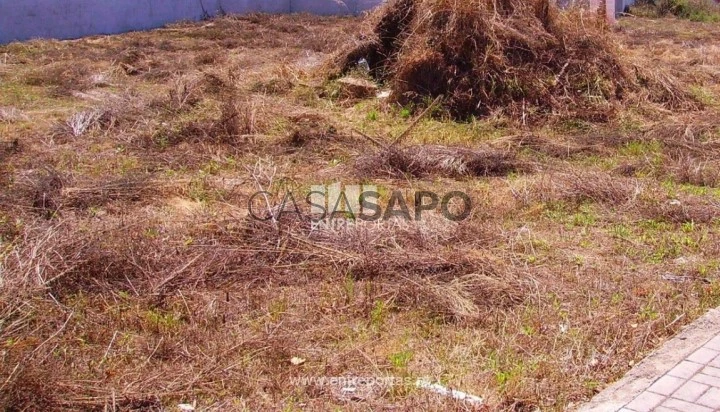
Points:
(133, 279)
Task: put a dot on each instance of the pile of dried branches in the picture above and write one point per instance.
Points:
(483, 55)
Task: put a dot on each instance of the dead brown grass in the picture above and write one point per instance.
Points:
(410, 261)
(62, 78)
(419, 161)
(694, 137)
(11, 114)
(238, 123)
(553, 147)
(688, 209)
(658, 86)
(580, 187)
(687, 169)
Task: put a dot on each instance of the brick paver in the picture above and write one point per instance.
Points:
(711, 398)
(691, 385)
(683, 375)
(666, 385)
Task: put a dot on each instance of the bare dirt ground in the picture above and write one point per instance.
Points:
(133, 279)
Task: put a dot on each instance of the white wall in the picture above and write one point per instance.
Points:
(617, 5)
(67, 19)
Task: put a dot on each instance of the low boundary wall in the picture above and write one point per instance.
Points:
(69, 19)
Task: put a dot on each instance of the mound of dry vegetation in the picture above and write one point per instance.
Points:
(483, 55)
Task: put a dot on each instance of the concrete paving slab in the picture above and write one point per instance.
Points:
(683, 374)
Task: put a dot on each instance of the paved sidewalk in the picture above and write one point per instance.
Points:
(683, 375)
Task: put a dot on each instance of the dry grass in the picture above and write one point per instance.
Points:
(661, 87)
(687, 169)
(524, 58)
(61, 78)
(81, 122)
(552, 147)
(579, 187)
(420, 161)
(695, 10)
(133, 278)
(11, 114)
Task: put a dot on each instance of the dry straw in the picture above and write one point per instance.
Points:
(525, 58)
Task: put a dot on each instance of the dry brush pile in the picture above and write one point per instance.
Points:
(484, 55)
(523, 58)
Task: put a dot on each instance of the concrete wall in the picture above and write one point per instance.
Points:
(614, 7)
(68, 19)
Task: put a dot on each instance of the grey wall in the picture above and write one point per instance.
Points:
(622, 4)
(68, 19)
(618, 5)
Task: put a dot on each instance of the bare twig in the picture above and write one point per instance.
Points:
(265, 171)
(54, 334)
(107, 351)
(415, 122)
(372, 139)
